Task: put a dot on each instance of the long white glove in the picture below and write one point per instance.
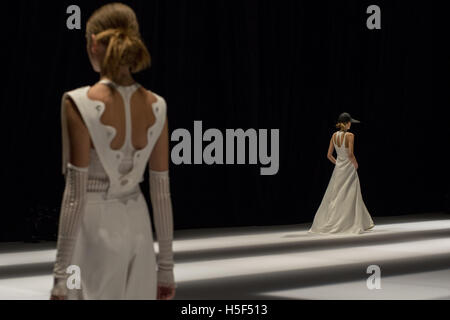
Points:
(72, 209)
(163, 221)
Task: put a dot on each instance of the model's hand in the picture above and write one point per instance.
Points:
(165, 292)
(59, 290)
(356, 165)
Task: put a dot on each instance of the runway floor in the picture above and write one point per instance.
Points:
(278, 262)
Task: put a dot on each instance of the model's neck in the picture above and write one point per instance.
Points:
(123, 78)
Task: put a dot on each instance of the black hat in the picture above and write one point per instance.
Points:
(346, 117)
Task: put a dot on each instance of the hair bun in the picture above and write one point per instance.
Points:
(107, 34)
(115, 26)
(340, 126)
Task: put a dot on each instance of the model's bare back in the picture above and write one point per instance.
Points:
(142, 117)
(339, 140)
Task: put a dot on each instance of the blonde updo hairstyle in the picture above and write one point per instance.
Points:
(341, 125)
(116, 27)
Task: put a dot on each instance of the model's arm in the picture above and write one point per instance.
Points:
(331, 150)
(351, 144)
(74, 197)
(162, 213)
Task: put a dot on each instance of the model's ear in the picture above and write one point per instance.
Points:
(94, 44)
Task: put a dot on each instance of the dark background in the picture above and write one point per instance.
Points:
(288, 65)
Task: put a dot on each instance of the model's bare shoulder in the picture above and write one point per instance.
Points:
(73, 114)
(148, 96)
(101, 92)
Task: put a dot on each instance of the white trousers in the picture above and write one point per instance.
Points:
(114, 251)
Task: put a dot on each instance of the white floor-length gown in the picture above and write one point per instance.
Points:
(114, 248)
(342, 209)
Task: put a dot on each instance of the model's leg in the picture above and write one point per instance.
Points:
(142, 277)
(141, 281)
(103, 252)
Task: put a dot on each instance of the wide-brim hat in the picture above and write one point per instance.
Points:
(346, 117)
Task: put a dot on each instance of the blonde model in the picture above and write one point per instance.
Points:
(111, 132)
(342, 209)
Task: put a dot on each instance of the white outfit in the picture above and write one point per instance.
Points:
(105, 227)
(342, 209)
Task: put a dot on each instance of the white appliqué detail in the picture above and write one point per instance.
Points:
(115, 161)
(133, 197)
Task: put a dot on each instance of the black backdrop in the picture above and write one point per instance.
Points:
(289, 65)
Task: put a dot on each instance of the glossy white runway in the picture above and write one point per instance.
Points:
(279, 262)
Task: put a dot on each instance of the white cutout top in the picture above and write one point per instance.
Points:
(124, 168)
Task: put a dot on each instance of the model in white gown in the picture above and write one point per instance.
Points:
(111, 133)
(342, 209)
